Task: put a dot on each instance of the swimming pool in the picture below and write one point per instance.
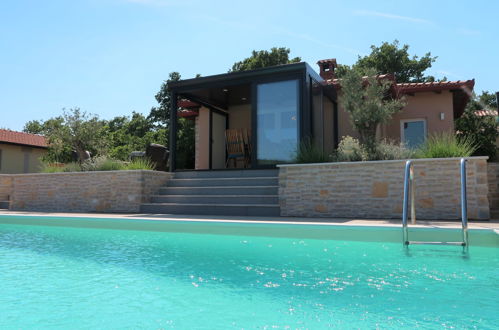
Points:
(75, 277)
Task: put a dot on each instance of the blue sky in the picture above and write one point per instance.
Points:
(109, 57)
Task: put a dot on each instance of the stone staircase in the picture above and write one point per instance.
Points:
(232, 192)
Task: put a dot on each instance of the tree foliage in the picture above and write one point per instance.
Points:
(483, 130)
(79, 130)
(76, 130)
(160, 115)
(391, 58)
(126, 134)
(367, 99)
(263, 58)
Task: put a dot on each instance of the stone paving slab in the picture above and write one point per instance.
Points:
(491, 225)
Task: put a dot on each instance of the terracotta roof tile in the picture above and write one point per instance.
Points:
(483, 113)
(436, 86)
(23, 138)
(420, 87)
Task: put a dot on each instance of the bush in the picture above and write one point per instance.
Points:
(389, 150)
(482, 130)
(309, 153)
(446, 145)
(350, 150)
(102, 163)
(72, 167)
(59, 167)
(140, 164)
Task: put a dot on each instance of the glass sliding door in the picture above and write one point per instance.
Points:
(277, 121)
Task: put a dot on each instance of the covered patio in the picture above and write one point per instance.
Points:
(254, 119)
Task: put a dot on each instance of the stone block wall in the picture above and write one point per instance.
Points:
(493, 180)
(375, 189)
(106, 191)
(5, 187)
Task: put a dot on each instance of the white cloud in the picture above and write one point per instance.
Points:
(468, 32)
(392, 16)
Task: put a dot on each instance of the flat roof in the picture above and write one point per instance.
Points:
(239, 76)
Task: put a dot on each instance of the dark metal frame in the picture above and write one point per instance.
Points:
(301, 71)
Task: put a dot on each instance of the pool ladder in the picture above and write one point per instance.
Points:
(410, 191)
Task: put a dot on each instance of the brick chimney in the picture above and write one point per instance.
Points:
(327, 68)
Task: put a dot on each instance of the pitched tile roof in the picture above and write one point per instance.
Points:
(486, 112)
(419, 87)
(21, 138)
(436, 86)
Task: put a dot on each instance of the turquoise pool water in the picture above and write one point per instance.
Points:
(113, 279)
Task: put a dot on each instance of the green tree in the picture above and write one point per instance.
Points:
(263, 58)
(57, 152)
(391, 58)
(482, 130)
(484, 101)
(367, 99)
(79, 130)
(160, 115)
(125, 135)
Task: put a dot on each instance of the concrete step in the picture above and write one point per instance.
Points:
(221, 190)
(216, 199)
(227, 174)
(4, 205)
(214, 182)
(212, 209)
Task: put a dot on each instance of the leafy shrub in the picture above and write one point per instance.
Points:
(446, 145)
(308, 152)
(350, 150)
(388, 150)
(51, 167)
(140, 164)
(102, 163)
(59, 167)
(481, 129)
(72, 167)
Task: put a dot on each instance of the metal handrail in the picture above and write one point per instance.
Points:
(464, 203)
(408, 184)
(409, 189)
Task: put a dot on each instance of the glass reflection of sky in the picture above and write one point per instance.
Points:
(277, 112)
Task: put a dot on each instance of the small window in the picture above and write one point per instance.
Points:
(413, 132)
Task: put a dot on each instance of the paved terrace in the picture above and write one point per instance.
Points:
(472, 224)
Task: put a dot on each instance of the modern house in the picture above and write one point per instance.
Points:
(277, 107)
(21, 152)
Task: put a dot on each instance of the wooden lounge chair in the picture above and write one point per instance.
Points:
(234, 143)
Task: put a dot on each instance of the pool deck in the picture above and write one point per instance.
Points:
(490, 225)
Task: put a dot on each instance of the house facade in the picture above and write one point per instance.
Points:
(276, 108)
(21, 152)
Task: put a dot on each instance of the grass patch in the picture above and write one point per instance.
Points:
(309, 153)
(446, 145)
(140, 164)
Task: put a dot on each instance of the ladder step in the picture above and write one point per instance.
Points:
(435, 243)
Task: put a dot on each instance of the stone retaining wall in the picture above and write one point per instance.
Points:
(375, 189)
(5, 187)
(493, 180)
(106, 191)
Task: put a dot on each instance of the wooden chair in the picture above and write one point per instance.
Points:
(247, 144)
(234, 143)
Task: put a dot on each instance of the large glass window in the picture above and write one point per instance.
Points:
(277, 121)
